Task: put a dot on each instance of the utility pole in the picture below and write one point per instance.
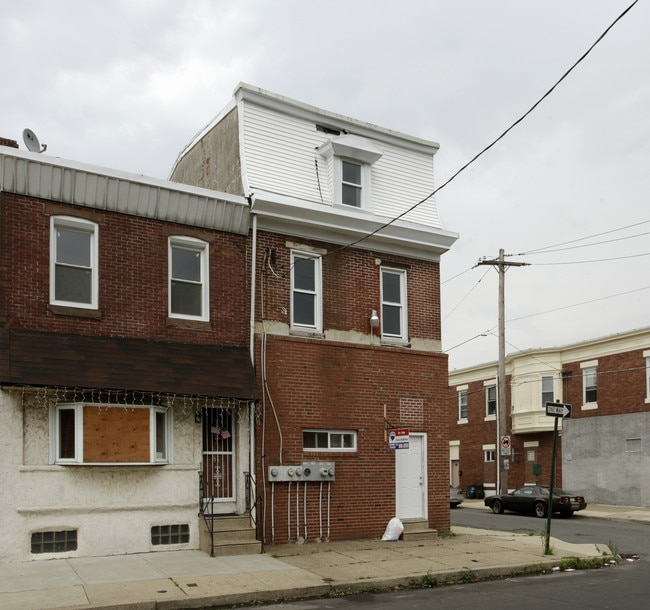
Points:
(502, 427)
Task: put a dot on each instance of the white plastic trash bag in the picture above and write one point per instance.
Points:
(394, 530)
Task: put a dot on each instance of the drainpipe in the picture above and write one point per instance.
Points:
(253, 286)
(251, 416)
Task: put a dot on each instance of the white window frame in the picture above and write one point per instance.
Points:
(352, 434)
(353, 149)
(363, 186)
(463, 394)
(202, 249)
(545, 379)
(489, 455)
(82, 226)
(155, 457)
(490, 387)
(316, 293)
(401, 306)
(589, 370)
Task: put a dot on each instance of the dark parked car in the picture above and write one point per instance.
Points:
(534, 499)
(456, 496)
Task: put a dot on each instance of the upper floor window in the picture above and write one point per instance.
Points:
(547, 390)
(102, 434)
(490, 400)
(73, 262)
(462, 405)
(351, 185)
(188, 278)
(306, 293)
(352, 158)
(590, 394)
(393, 304)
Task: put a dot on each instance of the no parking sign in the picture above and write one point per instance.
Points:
(505, 445)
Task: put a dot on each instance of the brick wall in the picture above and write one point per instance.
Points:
(621, 385)
(340, 386)
(478, 432)
(133, 276)
(351, 286)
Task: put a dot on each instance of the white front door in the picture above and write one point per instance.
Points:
(411, 479)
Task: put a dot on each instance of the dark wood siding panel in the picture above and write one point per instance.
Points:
(125, 364)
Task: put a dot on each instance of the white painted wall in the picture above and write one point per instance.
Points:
(113, 507)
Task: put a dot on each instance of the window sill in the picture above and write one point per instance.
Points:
(462, 421)
(79, 312)
(193, 324)
(111, 464)
(395, 342)
(311, 334)
(490, 418)
(590, 406)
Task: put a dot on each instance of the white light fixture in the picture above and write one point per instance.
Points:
(373, 319)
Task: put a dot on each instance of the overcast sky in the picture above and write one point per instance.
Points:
(127, 84)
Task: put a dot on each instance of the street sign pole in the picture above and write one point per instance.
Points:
(549, 510)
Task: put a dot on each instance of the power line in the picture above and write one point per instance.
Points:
(597, 260)
(541, 313)
(573, 241)
(495, 141)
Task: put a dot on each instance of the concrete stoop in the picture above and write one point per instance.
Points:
(233, 535)
(418, 530)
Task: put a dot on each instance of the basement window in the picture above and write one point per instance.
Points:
(59, 541)
(170, 534)
(329, 440)
(103, 434)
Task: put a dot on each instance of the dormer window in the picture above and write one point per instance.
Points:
(351, 185)
(352, 158)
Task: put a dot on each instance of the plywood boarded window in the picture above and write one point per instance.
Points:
(116, 434)
(109, 434)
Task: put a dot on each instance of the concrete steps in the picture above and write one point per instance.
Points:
(418, 530)
(233, 535)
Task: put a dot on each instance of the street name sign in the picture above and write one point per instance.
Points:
(558, 409)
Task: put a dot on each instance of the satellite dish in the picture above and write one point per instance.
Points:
(31, 141)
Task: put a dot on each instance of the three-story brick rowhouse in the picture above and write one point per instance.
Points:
(345, 326)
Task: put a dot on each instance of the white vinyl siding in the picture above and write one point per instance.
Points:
(280, 156)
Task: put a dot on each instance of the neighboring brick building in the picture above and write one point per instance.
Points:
(323, 189)
(603, 450)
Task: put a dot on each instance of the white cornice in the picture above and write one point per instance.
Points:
(343, 226)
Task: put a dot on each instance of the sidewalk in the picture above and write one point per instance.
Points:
(192, 579)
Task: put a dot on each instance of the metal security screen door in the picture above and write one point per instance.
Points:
(218, 455)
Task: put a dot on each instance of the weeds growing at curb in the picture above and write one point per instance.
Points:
(613, 547)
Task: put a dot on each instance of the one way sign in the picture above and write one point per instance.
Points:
(558, 409)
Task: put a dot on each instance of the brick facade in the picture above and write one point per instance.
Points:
(345, 386)
(357, 386)
(133, 277)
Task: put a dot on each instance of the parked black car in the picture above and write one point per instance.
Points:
(534, 499)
